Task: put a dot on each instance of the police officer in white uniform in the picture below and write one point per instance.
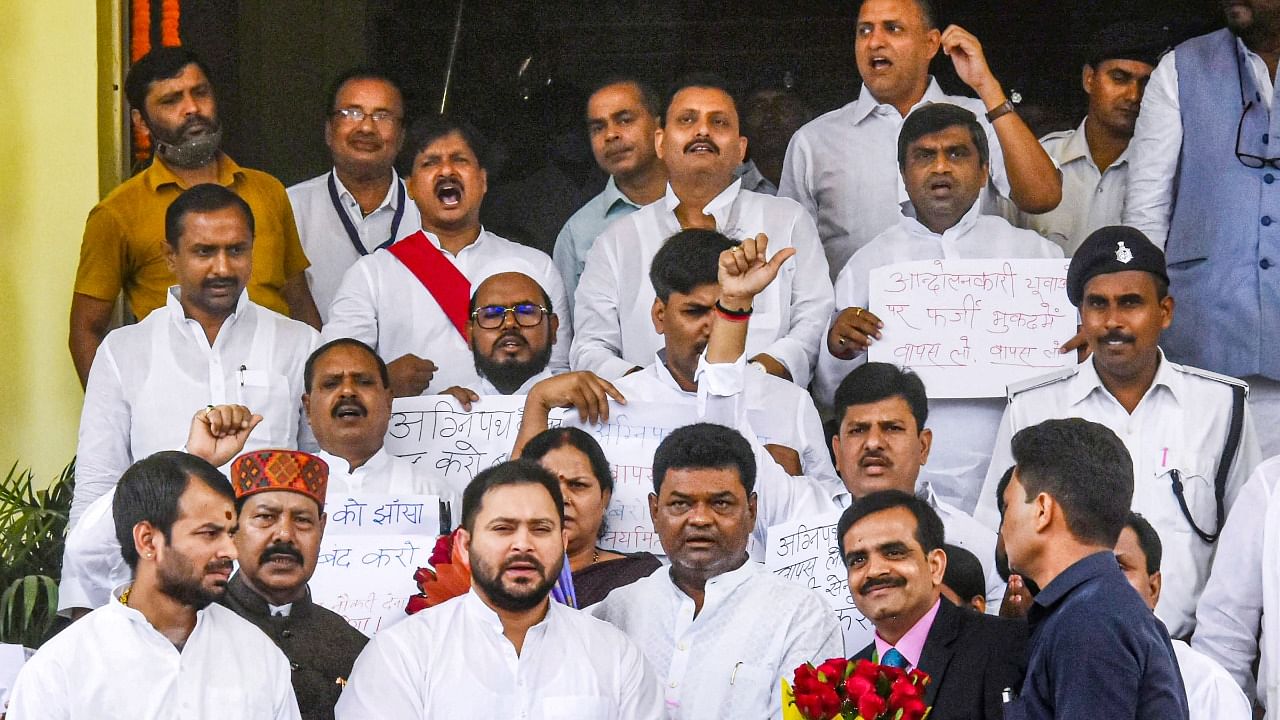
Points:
(1187, 430)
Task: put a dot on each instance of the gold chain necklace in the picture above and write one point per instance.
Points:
(124, 596)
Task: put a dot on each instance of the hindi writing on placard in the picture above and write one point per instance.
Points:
(457, 444)
(970, 327)
(807, 553)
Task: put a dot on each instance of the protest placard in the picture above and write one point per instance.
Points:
(457, 444)
(372, 546)
(970, 327)
(807, 552)
(629, 439)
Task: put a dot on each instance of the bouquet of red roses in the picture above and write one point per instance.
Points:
(446, 576)
(841, 689)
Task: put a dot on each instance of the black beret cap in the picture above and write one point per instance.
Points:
(1144, 41)
(1112, 249)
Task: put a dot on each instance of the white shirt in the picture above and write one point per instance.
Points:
(1211, 693)
(382, 304)
(962, 428)
(149, 379)
(960, 529)
(1179, 425)
(113, 665)
(1239, 611)
(843, 168)
(484, 387)
(580, 232)
(779, 412)
(753, 630)
(779, 497)
(325, 239)
(613, 331)
(1157, 145)
(452, 661)
(1091, 198)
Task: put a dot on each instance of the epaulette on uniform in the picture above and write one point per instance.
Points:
(1042, 380)
(1058, 135)
(1216, 377)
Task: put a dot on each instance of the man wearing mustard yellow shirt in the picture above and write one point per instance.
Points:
(173, 102)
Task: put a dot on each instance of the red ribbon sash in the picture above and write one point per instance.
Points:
(450, 288)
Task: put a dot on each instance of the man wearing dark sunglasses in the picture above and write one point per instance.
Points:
(512, 328)
(1204, 165)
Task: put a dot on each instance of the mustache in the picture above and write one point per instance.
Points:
(526, 559)
(1116, 336)
(213, 283)
(877, 583)
(702, 140)
(349, 402)
(197, 121)
(223, 565)
(281, 548)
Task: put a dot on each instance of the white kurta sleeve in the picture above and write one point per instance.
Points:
(641, 695)
(597, 323)
(814, 636)
(811, 303)
(40, 692)
(386, 683)
(552, 282)
(831, 369)
(286, 702)
(91, 562)
(1229, 615)
(103, 451)
(1153, 155)
(565, 256)
(354, 312)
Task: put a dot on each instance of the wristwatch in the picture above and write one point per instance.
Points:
(1000, 111)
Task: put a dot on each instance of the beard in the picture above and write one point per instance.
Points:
(178, 581)
(519, 598)
(510, 375)
(180, 148)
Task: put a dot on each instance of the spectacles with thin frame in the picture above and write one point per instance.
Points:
(356, 115)
(1255, 162)
(491, 317)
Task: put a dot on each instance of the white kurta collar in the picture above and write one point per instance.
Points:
(720, 206)
(387, 202)
(867, 105)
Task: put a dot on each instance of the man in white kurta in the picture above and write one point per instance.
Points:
(940, 222)
(503, 649)
(383, 304)
(701, 622)
(701, 145)
(162, 647)
(841, 166)
(209, 345)
(360, 205)
(1176, 429)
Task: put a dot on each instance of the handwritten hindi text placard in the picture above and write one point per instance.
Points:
(372, 545)
(807, 553)
(457, 444)
(629, 439)
(971, 327)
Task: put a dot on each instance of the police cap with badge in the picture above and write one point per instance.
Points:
(1112, 249)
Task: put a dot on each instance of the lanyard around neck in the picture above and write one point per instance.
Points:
(350, 227)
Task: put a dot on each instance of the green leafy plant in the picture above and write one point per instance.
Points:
(33, 522)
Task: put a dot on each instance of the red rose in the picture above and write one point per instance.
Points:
(821, 705)
(870, 706)
(913, 709)
(901, 691)
(833, 670)
(806, 680)
(893, 674)
(867, 669)
(919, 677)
(830, 703)
(416, 603)
(857, 686)
(440, 553)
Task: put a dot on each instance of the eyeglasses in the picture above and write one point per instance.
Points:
(491, 317)
(356, 115)
(1255, 162)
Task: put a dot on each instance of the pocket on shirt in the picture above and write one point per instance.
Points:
(268, 394)
(579, 707)
(750, 690)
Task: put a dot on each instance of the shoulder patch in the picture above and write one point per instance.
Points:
(1042, 380)
(1216, 377)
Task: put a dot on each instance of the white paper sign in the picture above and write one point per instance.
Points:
(457, 444)
(807, 553)
(629, 440)
(971, 327)
(372, 546)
